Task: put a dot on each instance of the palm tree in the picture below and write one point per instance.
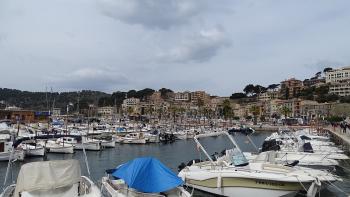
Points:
(227, 110)
(174, 110)
(255, 110)
(285, 111)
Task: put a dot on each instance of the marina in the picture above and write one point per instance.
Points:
(179, 98)
(171, 154)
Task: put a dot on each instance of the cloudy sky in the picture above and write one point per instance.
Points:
(213, 45)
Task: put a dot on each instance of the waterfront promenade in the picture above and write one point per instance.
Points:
(340, 136)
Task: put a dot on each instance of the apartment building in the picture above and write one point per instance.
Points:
(182, 96)
(338, 75)
(290, 88)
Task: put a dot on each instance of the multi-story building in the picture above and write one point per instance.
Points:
(269, 95)
(200, 95)
(290, 88)
(312, 109)
(131, 105)
(18, 115)
(338, 75)
(182, 96)
(106, 111)
(340, 88)
(216, 102)
(273, 107)
(314, 81)
(339, 81)
(293, 106)
(156, 98)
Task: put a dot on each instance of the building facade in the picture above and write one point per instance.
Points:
(106, 111)
(338, 75)
(340, 88)
(290, 88)
(182, 96)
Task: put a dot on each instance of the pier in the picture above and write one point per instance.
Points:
(340, 137)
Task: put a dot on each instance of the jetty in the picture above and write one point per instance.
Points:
(340, 137)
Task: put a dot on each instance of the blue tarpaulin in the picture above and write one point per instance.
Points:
(147, 175)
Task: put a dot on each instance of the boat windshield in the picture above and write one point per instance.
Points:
(237, 157)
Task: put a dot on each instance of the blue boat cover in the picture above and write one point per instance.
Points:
(148, 175)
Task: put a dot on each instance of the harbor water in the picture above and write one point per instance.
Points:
(172, 155)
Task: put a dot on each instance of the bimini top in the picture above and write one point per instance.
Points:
(147, 175)
(46, 175)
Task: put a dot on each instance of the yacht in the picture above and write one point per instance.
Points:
(146, 177)
(52, 178)
(233, 174)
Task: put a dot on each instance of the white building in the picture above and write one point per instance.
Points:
(131, 103)
(338, 75)
(182, 96)
(340, 89)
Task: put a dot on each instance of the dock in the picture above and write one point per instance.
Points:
(340, 137)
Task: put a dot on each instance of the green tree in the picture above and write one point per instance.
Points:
(285, 111)
(255, 110)
(249, 89)
(227, 109)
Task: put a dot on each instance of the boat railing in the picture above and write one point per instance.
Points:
(9, 191)
(85, 185)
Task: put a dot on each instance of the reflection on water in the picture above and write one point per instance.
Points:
(170, 154)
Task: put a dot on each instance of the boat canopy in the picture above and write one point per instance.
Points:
(147, 175)
(47, 175)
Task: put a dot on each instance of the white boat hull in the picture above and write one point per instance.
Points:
(88, 146)
(61, 149)
(133, 141)
(33, 152)
(241, 191)
(18, 155)
(108, 144)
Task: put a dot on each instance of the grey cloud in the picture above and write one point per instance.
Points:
(199, 48)
(90, 78)
(160, 14)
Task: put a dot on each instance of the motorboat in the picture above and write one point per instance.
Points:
(233, 174)
(52, 178)
(132, 138)
(108, 143)
(33, 149)
(309, 160)
(152, 137)
(85, 143)
(57, 146)
(7, 151)
(146, 177)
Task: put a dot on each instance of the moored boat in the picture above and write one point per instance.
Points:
(52, 178)
(143, 177)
